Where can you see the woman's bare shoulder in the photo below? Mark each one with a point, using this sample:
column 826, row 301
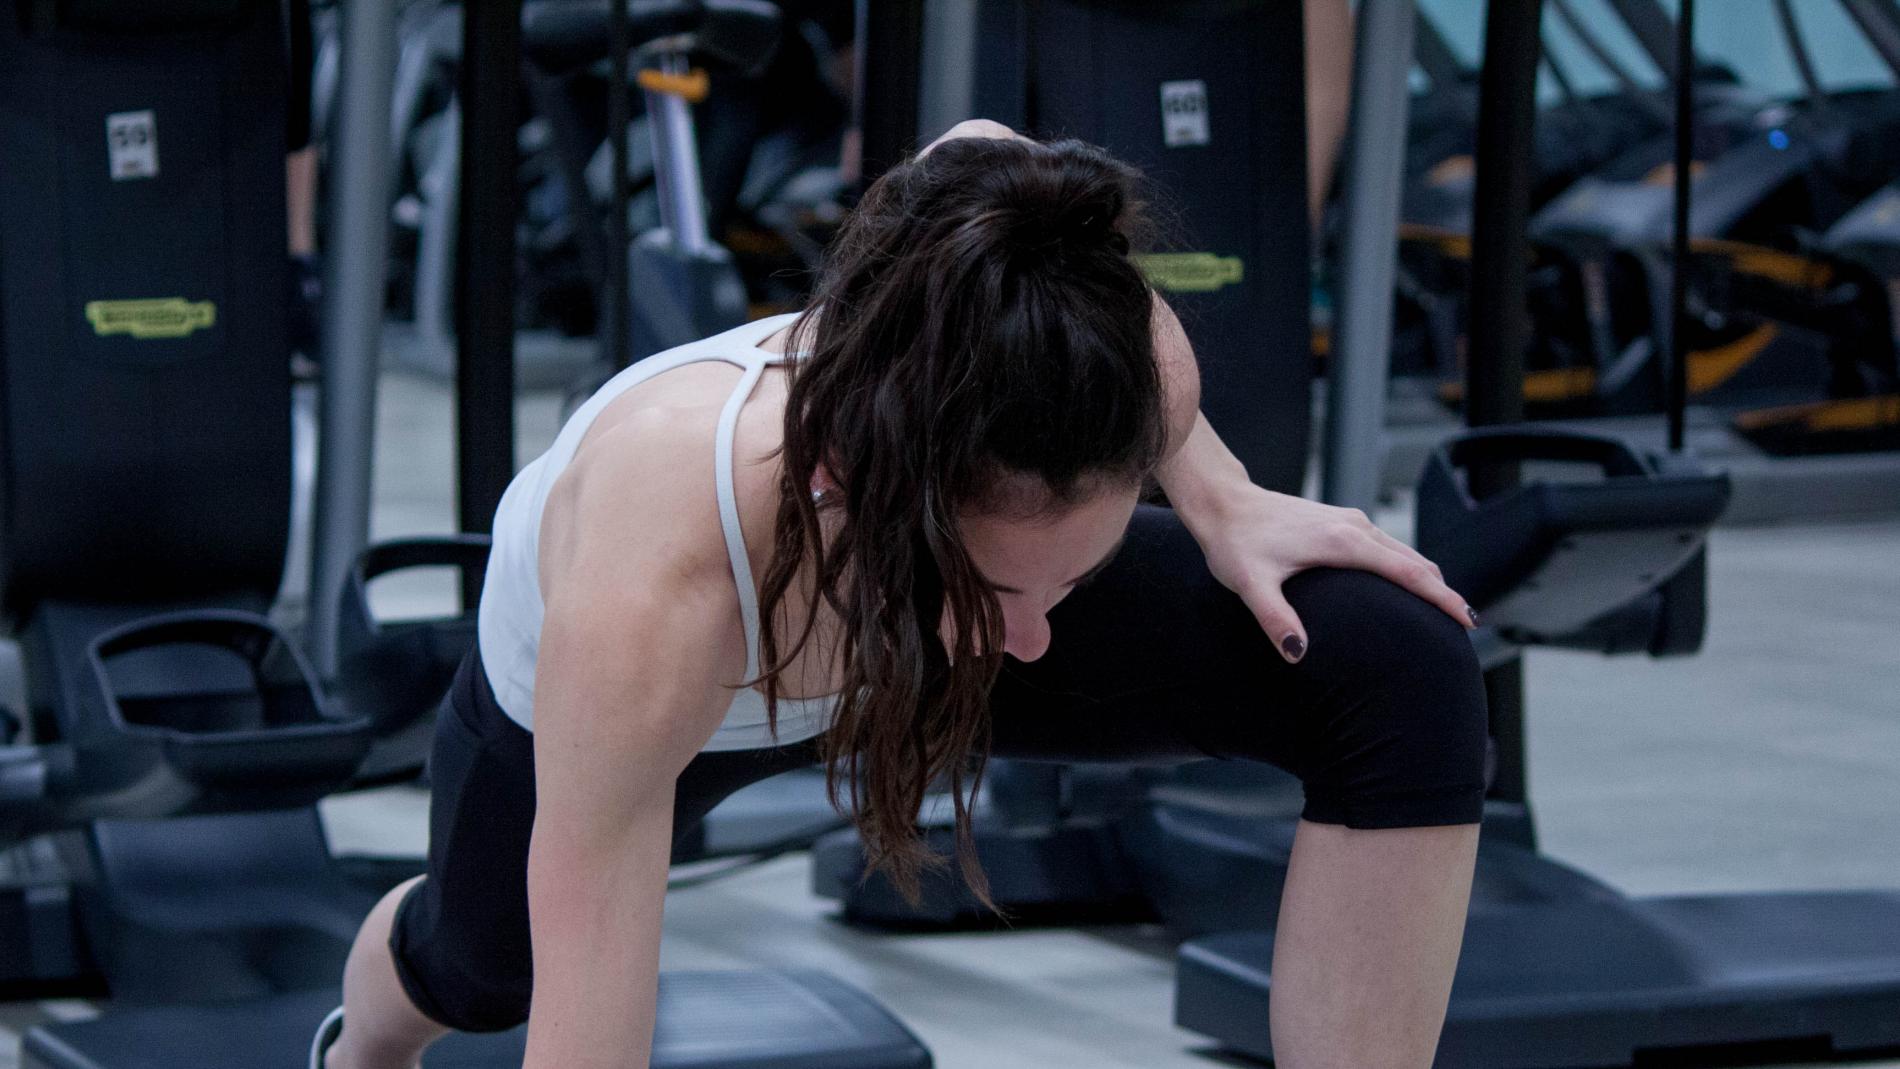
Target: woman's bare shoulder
column 637, row 502
column 643, row 483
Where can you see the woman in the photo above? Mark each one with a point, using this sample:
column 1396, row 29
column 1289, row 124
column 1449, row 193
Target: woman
column 939, row 500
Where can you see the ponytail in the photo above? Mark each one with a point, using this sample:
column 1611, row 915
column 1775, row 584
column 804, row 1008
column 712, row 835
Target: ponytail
column 978, row 327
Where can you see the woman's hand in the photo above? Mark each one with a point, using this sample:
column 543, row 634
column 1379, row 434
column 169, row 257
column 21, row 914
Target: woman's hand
column 1259, row 539
column 1254, row 539
column 974, row 128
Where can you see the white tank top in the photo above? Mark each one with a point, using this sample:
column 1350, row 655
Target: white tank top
column 508, row 622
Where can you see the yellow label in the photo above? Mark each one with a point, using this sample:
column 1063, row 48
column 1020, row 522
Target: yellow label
column 151, row 317
column 691, row 86
column 1190, row 272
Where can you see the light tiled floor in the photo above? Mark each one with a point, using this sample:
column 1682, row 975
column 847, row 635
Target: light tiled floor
column 1771, row 761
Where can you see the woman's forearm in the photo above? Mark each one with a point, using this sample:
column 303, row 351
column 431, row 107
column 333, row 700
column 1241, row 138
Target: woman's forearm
column 596, row 913
column 1202, row 475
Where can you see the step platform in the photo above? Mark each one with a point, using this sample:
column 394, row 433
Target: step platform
column 795, row 1019
column 1592, row 983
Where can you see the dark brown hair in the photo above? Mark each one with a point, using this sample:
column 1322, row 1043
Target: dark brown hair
column 977, row 324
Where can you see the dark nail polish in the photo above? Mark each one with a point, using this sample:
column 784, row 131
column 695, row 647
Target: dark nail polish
column 1294, row 646
column 1473, row 614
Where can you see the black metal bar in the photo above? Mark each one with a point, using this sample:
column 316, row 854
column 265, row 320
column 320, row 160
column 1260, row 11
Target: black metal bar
column 1499, row 327
column 1434, row 56
column 1593, row 44
column 1633, row 91
column 1504, row 695
column 1879, row 22
column 1562, row 77
column 1507, row 111
column 892, row 46
column 1650, row 25
column 616, row 301
column 485, row 266
column 553, row 101
column 1797, row 46
column 1679, row 239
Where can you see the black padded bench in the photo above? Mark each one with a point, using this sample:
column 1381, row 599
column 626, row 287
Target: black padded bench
column 707, row 1020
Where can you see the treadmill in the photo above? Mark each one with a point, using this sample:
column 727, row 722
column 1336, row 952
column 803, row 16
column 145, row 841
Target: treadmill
column 1579, row 133
column 1849, row 291
column 1768, row 175
column 1564, row 971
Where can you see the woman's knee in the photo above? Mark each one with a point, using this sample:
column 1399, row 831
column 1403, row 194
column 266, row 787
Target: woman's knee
column 462, row 982
column 1398, row 735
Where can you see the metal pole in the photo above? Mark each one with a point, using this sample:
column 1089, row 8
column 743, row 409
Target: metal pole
column 676, row 164
column 352, row 310
column 1797, row 46
column 890, row 47
column 1435, row 57
column 1361, row 356
column 1494, row 374
column 616, row 302
column 1679, row 239
column 1879, row 22
column 485, row 267
column 1507, row 113
column 415, row 53
column 946, row 91
column 1561, row 76
column 1587, row 37
column 1650, row 25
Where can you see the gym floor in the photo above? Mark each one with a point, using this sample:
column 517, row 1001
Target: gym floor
column 1770, row 762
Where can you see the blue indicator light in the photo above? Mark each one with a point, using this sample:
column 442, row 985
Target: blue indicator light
column 1779, row 139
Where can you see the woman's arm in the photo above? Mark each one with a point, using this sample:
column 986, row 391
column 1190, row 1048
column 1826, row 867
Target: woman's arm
column 641, row 630
column 1180, row 390
column 1255, row 539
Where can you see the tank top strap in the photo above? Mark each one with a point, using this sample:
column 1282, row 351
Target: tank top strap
column 729, row 512
column 755, row 361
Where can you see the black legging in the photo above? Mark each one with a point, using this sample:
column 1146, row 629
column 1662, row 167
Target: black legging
column 1153, row 662
column 1157, row 662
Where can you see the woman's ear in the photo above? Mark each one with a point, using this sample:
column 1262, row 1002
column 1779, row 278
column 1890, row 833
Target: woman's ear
column 822, row 483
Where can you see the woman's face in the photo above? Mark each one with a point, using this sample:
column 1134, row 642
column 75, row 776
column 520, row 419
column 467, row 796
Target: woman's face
column 1033, row 563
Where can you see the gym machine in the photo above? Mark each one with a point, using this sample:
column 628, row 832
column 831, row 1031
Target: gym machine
column 1118, row 843
column 1198, row 91
column 674, row 283
column 1847, row 289
column 1560, row 970
column 1576, row 136
column 163, row 845
column 1769, row 176
column 1858, row 261
column 1601, row 550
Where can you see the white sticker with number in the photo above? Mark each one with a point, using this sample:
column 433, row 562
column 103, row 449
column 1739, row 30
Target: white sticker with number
column 132, row 141
column 1184, row 113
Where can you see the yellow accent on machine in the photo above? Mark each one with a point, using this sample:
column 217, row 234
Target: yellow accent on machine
column 149, row 318
column 1190, row 272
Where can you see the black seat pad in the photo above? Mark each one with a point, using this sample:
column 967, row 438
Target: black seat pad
column 560, row 35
